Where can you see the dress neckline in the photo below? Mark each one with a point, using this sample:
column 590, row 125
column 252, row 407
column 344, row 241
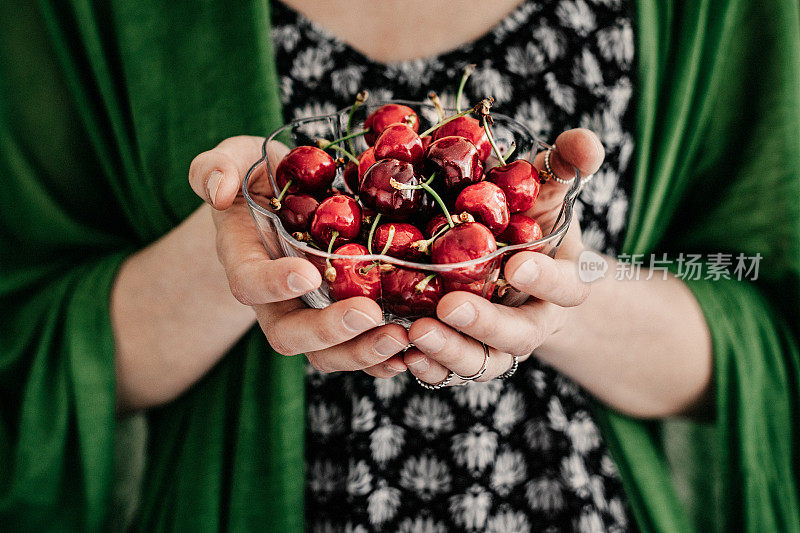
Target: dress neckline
column 518, row 16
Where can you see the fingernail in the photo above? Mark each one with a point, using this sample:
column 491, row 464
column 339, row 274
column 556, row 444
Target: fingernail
column 298, row 283
column 461, row 316
column 420, row 365
column 526, row 273
column 212, row 185
column 387, row 345
column 431, row 342
column 390, row 368
column 355, row 320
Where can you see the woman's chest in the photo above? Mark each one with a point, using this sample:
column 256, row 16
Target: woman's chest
column 391, row 30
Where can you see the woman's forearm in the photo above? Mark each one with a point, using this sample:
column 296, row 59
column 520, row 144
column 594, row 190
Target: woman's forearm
column 173, row 314
column 640, row 346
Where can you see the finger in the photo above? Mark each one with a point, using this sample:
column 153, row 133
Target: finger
column 515, row 330
column 575, row 148
column 254, row 277
column 374, row 350
column 427, row 369
column 548, row 279
column 579, row 148
column 461, row 354
column 389, row 368
column 216, row 175
column 293, row 329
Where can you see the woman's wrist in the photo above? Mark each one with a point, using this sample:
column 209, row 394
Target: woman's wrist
column 641, row 346
column 173, row 314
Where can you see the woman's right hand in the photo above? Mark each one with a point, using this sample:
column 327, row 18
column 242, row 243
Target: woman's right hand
column 346, row 335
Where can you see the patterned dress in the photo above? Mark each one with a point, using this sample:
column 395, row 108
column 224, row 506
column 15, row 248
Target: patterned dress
column 518, row 455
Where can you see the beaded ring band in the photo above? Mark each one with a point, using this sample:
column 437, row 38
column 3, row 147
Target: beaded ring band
column 511, row 371
column 549, row 169
column 436, row 386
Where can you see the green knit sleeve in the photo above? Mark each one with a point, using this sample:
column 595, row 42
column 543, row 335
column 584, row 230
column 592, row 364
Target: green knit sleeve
column 719, row 172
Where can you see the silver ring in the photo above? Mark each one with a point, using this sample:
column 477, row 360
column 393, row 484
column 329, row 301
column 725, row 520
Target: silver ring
column 587, row 179
column 511, row 371
column 436, row 386
column 480, row 372
column 550, row 170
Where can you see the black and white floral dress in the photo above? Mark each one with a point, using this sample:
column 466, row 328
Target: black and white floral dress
column 503, row 456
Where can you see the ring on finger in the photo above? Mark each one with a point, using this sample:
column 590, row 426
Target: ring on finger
column 549, row 169
column 511, row 371
column 436, row 386
column 483, row 368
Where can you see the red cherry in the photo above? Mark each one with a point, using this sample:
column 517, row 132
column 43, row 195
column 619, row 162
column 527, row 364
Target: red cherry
column 402, row 234
column 520, row 181
column 309, row 168
column 521, row 229
column 376, row 191
column 298, row 211
column 350, row 175
column 336, row 213
column 467, row 241
column 487, row 203
column 481, row 288
column 411, row 293
column 386, row 115
column 470, row 129
column 365, row 160
column 455, row 160
column 434, row 225
column 426, row 142
column 353, row 277
column 401, row 142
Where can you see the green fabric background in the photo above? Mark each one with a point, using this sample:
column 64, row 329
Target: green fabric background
column 103, row 104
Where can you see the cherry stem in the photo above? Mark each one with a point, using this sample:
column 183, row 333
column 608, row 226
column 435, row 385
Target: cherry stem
column 361, row 97
column 424, row 245
column 426, row 186
column 501, row 244
column 420, row 287
column 438, row 199
column 330, row 272
column 491, row 140
column 365, row 270
column 322, row 143
column 389, row 240
column 437, row 104
column 443, row 122
column 468, row 70
column 372, row 232
column 334, row 236
column 276, row 202
column 511, row 150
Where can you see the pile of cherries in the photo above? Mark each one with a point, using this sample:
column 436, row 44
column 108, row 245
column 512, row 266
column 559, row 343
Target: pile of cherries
column 427, row 197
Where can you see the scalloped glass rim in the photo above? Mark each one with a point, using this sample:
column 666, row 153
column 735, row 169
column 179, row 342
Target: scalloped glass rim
column 557, row 233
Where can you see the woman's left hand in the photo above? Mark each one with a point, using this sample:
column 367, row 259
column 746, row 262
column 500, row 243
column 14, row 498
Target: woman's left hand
column 465, row 320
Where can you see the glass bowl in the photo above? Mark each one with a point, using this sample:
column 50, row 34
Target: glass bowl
column 480, row 275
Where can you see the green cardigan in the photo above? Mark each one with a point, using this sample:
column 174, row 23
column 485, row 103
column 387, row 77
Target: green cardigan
column 103, row 104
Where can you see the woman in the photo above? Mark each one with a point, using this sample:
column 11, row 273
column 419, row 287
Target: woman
column 96, row 142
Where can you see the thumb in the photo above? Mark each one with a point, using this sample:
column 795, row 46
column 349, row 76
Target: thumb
column 545, row 278
column 216, row 175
